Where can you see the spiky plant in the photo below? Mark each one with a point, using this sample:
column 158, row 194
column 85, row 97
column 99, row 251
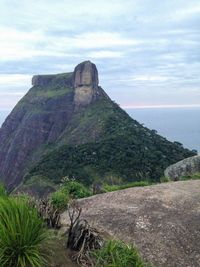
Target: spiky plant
column 22, row 234
column 3, row 192
column 117, row 254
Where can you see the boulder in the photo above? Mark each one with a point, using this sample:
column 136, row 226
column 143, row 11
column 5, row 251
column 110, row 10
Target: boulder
column 184, row 167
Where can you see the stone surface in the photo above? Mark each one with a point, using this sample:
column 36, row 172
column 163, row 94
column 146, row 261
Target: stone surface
column 161, row 220
column 85, row 83
column 86, row 74
column 184, row 167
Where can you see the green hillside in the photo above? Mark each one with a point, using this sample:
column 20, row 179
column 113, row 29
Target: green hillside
column 125, row 150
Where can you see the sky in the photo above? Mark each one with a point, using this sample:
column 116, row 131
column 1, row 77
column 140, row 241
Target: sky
column 147, row 52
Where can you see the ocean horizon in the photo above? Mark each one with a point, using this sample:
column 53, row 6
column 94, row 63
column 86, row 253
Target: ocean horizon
column 176, row 124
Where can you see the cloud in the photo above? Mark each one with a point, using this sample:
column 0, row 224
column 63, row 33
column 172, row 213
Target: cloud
column 20, row 94
column 146, row 53
column 15, row 44
column 14, row 79
column 105, row 54
column 147, row 78
column 186, row 12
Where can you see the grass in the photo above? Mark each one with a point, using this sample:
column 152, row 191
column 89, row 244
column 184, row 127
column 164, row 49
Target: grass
column 23, row 236
column 117, row 254
column 195, row 176
column 110, row 188
column 3, row 192
column 164, row 179
column 54, row 93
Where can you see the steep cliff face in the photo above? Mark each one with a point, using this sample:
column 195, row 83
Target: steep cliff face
column 42, row 116
column 88, row 135
column 86, row 83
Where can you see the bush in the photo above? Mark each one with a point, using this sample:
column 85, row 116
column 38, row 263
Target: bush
column 75, row 189
column 69, row 189
column 60, row 199
column 22, row 234
column 164, row 179
column 117, row 254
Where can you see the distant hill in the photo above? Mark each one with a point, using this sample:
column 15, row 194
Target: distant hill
column 66, row 125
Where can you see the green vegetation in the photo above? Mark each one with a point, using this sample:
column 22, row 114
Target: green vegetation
column 70, row 189
column 117, row 254
column 75, row 189
column 110, row 188
column 195, row 176
column 115, row 144
column 23, row 236
column 54, row 92
column 60, row 199
column 3, row 192
column 56, row 89
column 164, row 179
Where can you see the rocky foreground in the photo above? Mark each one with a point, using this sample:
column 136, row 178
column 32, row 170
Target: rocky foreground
column 162, row 220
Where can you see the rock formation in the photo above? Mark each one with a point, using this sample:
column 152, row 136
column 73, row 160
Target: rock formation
column 161, row 220
column 185, row 167
column 42, row 115
column 72, row 109
column 86, row 84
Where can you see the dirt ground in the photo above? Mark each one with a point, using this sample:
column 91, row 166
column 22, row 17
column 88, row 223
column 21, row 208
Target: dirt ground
column 162, row 220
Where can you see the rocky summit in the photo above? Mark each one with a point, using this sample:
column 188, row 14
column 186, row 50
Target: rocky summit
column 66, row 125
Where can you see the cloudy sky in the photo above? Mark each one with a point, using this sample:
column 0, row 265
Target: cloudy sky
column 147, row 51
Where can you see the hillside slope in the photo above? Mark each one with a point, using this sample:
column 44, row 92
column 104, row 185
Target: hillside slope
column 66, row 125
column 161, row 220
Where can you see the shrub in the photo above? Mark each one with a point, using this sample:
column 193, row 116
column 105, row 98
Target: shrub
column 75, row 189
column 164, row 179
column 60, row 199
column 22, row 234
column 69, row 189
column 117, row 254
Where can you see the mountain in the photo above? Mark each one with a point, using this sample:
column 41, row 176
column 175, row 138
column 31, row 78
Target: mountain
column 66, row 125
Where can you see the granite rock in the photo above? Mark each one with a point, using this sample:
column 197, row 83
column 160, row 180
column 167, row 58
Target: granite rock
column 185, row 167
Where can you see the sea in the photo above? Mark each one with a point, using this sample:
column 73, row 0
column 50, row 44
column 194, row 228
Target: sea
column 176, row 124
